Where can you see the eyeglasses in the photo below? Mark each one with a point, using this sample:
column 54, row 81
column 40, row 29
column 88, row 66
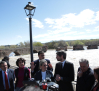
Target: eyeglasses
column 45, row 65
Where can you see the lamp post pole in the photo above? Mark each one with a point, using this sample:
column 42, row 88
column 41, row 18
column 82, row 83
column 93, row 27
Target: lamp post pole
column 31, row 45
column 30, row 7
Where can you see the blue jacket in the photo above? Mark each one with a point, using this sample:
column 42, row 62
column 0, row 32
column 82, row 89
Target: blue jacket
column 11, row 80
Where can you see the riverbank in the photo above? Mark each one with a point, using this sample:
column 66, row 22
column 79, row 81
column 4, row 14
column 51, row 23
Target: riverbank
column 72, row 56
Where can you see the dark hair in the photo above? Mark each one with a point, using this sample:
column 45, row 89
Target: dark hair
column 40, row 52
column 62, row 52
column 20, row 59
column 6, row 57
column 2, row 62
column 96, row 70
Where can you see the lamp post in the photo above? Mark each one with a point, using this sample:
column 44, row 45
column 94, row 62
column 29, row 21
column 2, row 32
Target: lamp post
column 29, row 7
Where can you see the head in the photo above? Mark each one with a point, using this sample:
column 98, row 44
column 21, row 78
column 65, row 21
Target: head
column 6, row 58
column 84, row 64
column 61, row 55
column 32, row 88
column 43, row 65
column 20, row 62
column 41, row 55
column 3, row 65
column 96, row 73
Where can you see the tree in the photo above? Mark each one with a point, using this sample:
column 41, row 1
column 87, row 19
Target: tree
column 37, row 44
column 21, row 44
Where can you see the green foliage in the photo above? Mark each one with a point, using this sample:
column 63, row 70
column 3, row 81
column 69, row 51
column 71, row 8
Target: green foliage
column 67, row 44
column 37, row 44
column 77, row 42
column 21, row 44
column 2, row 47
column 13, row 46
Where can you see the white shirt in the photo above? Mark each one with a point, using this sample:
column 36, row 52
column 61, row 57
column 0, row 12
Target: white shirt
column 3, row 75
column 44, row 75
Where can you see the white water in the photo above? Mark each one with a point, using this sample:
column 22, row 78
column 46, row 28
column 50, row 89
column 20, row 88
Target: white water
column 72, row 56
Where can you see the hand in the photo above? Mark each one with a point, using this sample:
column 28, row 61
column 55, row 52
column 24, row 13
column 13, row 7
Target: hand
column 80, row 73
column 58, row 78
column 32, row 66
column 50, row 65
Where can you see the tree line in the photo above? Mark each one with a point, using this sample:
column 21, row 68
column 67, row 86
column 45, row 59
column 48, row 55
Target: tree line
column 55, row 44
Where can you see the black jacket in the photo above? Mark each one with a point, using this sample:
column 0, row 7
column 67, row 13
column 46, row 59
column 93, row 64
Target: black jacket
column 26, row 74
column 38, row 75
column 67, row 73
column 86, row 81
column 36, row 69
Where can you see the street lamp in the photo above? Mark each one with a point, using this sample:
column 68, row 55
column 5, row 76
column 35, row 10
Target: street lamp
column 29, row 7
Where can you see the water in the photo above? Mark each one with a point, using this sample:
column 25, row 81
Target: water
column 72, row 56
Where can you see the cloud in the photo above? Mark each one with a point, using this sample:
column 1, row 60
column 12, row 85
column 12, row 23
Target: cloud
column 37, row 23
column 96, row 28
column 85, row 17
column 71, row 26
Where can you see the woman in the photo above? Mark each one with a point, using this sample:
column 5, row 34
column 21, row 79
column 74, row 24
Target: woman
column 96, row 75
column 43, row 74
column 21, row 73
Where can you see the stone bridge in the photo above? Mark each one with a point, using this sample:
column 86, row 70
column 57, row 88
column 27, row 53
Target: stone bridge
column 21, row 51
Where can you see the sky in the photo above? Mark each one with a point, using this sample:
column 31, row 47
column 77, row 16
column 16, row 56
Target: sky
column 53, row 20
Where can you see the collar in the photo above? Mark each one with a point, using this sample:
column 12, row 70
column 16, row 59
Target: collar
column 4, row 71
column 63, row 63
column 21, row 67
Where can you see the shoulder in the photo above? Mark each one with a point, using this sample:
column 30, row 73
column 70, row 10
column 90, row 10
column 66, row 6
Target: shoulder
column 36, row 61
column 47, row 60
column 69, row 63
column 48, row 71
column 38, row 72
column 58, row 63
column 10, row 70
column 91, row 71
column 16, row 69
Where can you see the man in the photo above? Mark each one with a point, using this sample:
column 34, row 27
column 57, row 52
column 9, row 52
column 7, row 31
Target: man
column 64, row 72
column 85, row 76
column 6, row 78
column 6, row 59
column 35, row 64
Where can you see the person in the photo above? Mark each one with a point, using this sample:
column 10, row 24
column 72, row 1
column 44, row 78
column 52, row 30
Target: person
column 6, row 77
column 64, row 72
column 95, row 87
column 6, row 59
column 43, row 74
column 22, row 73
column 35, row 64
column 85, row 76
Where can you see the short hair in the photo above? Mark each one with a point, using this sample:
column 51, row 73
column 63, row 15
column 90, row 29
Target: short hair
column 2, row 62
column 20, row 59
column 84, row 60
column 42, row 62
column 96, row 70
column 40, row 52
column 6, row 58
column 62, row 52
